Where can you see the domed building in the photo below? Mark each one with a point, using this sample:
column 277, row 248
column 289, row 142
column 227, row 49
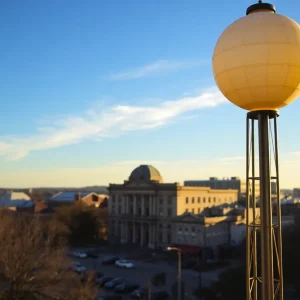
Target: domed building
column 145, row 173
column 144, row 210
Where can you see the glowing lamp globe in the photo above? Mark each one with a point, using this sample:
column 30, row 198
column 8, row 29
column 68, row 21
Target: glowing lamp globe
column 256, row 61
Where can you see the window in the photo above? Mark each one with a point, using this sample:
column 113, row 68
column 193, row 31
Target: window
column 186, row 229
column 169, row 212
column 193, row 210
column 193, row 229
column 214, row 199
column 198, row 210
column 198, row 199
column 169, row 200
column 204, row 200
column 208, row 199
column 160, row 201
column 187, row 210
column 193, row 200
column 113, row 198
column 187, row 200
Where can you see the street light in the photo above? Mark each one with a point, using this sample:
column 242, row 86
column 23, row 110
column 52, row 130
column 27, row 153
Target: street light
column 179, row 270
column 256, row 66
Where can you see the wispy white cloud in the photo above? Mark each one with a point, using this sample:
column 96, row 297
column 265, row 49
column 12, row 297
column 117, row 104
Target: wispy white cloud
column 105, row 123
column 156, row 68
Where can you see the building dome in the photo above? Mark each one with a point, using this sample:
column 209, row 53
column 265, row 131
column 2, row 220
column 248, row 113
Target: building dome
column 256, row 61
column 145, row 173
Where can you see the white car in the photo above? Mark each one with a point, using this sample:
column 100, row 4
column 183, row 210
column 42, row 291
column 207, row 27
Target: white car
column 80, row 254
column 80, row 268
column 124, row 264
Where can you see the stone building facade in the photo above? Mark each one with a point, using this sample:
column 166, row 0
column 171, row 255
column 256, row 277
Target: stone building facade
column 143, row 209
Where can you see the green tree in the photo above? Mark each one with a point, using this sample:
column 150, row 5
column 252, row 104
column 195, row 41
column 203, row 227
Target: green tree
column 81, row 221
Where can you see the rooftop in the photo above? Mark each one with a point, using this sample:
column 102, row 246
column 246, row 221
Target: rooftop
column 69, row 196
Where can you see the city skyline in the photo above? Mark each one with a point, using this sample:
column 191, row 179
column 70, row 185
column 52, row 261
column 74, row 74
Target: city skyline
column 89, row 95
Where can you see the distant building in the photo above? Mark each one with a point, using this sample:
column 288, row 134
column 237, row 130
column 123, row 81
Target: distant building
column 17, row 201
column 142, row 209
column 67, row 198
column 296, row 194
column 234, row 183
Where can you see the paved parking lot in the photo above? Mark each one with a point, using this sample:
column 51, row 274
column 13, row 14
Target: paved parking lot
column 144, row 271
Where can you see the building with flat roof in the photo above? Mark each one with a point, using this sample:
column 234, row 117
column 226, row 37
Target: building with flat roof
column 234, row 183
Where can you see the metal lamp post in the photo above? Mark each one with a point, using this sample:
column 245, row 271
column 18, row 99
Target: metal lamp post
column 179, row 270
column 256, row 65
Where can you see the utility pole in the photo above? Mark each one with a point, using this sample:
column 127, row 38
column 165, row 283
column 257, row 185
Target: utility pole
column 179, row 270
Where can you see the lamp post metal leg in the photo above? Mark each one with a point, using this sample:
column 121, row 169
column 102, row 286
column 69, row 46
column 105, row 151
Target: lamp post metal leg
column 265, row 208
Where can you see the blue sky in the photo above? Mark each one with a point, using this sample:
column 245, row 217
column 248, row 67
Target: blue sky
column 91, row 89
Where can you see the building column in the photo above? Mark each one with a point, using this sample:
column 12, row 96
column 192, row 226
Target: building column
column 142, row 234
column 134, row 205
column 143, row 204
column 150, row 205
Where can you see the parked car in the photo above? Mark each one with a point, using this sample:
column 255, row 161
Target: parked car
column 126, row 287
column 80, row 268
column 92, row 254
column 110, row 260
column 161, row 295
column 79, row 254
column 103, row 280
column 111, row 284
column 140, row 293
column 110, row 297
column 124, row 264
